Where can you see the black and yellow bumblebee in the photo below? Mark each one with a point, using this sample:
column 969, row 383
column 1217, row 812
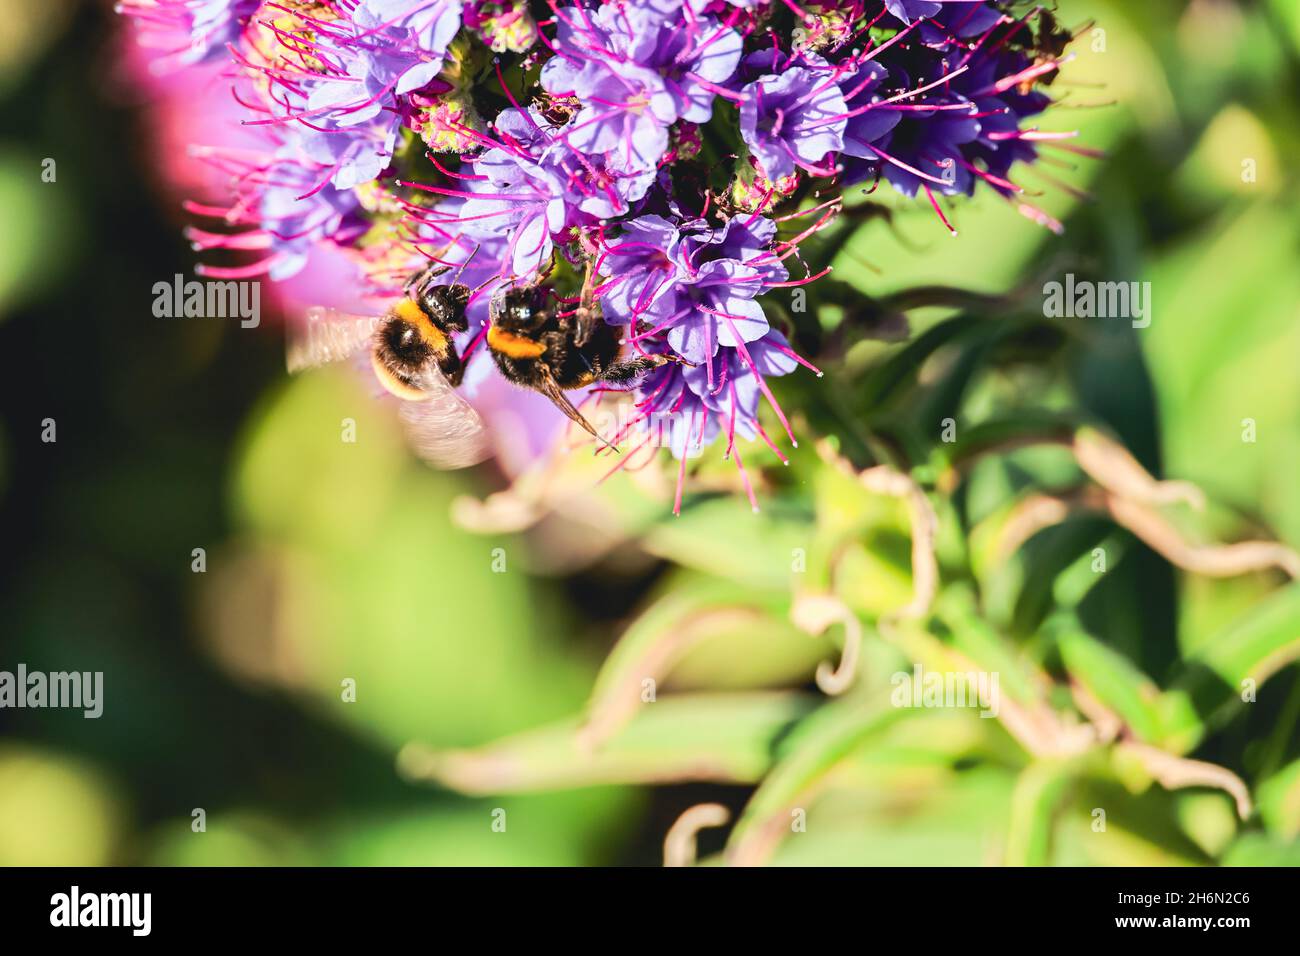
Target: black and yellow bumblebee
column 1049, row 46
column 414, row 358
column 534, row 343
column 417, row 331
column 538, row 346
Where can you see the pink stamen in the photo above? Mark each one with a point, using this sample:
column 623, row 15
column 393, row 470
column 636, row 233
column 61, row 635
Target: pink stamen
column 261, row 267
column 935, row 203
column 762, row 383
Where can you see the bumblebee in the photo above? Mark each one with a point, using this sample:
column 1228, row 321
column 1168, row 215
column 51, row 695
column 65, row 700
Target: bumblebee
column 1050, row 46
column 533, row 342
column 537, row 346
column 413, row 355
column 416, row 331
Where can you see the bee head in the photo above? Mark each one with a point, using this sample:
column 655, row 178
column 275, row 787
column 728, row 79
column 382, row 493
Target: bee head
column 445, row 305
column 520, row 309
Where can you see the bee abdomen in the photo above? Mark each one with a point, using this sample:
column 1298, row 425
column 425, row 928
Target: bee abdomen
column 512, row 345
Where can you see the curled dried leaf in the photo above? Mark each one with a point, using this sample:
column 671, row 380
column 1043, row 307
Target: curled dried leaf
column 680, row 843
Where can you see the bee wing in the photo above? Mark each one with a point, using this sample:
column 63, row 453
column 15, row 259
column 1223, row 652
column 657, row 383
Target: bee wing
column 444, row 429
column 325, row 335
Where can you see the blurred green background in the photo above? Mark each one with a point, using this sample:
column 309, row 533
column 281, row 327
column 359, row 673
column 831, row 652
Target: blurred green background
column 328, row 562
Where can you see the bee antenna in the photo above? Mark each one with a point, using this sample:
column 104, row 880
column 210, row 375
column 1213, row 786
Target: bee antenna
column 482, row 284
column 465, row 265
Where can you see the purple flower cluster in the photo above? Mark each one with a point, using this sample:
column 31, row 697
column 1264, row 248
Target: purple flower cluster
column 678, row 150
column 189, row 32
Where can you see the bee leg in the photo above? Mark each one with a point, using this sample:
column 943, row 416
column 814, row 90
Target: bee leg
column 584, row 324
column 557, row 348
column 457, row 372
column 592, row 369
column 630, row 372
column 451, row 365
column 422, row 278
column 586, row 315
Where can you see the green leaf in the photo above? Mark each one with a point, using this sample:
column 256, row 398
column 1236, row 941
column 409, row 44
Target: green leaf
column 816, row 747
column 726, row 738
column 701, row 633
column 1279, row 802
column 1034, row 805
column 1251, row 649
column 977, row 640
column 721, row 537
column 901, row 367
column 1255, row 849
column 1114, row 681
column 1260, row 644
column 949, row 821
